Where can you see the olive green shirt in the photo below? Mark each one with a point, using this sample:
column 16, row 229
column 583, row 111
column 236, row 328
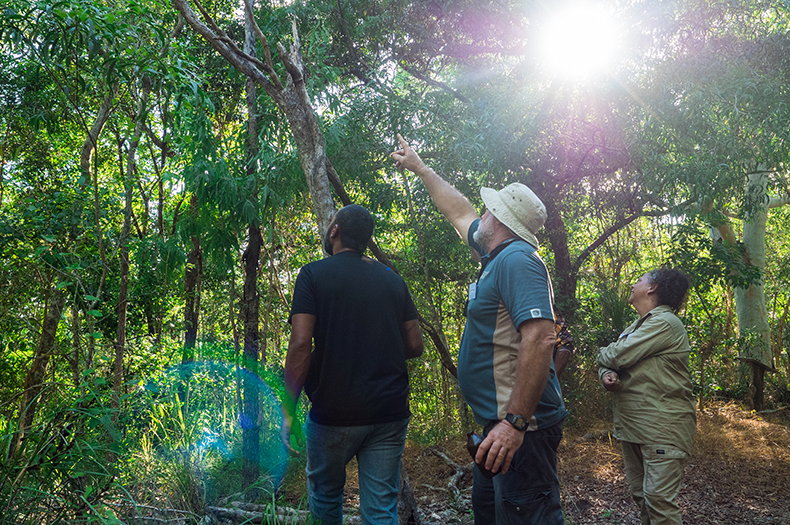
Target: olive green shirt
column 656, row 404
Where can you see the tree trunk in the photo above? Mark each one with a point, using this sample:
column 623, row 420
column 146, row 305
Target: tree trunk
column 408, row 513
column 251, row 259
column 34, row 382
column 750, row 306
column 193, row 279
column 76, row 349
column 131, row 163
column 250, row 355
column 750, row 302
column 565, row 273
column 292, row 99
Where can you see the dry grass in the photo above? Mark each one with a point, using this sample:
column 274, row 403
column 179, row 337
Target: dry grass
column 739, row 473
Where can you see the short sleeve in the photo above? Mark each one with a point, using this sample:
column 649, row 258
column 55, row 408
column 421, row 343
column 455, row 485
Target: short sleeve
column 304, row 301
column 410, row 311
column 525, row 287
column 471, row 237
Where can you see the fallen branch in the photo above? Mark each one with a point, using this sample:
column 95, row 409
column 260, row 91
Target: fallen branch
column 255, row 514
column 460, row 470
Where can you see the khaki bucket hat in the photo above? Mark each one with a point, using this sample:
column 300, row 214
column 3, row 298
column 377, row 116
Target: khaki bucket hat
column 517, row 207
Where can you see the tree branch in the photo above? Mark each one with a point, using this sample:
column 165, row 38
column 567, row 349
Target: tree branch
column 611, row 230
column 778, row 202
column 434, row 83
column 441, row 349
column 250, row 66
column 268, row 67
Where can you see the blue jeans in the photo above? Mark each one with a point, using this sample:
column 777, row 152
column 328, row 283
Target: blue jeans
column 378, row 449
column 529, row 493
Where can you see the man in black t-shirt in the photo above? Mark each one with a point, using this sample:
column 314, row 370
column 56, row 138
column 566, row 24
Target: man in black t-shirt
column 360, row 317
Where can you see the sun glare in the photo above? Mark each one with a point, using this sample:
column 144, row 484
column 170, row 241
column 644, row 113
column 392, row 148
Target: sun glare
column 579, row 41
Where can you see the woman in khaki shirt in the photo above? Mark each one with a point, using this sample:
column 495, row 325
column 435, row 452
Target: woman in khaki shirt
column 647, row 369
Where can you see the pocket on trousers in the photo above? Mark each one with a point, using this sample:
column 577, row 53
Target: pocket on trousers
column 532, row 505
column 662, row 452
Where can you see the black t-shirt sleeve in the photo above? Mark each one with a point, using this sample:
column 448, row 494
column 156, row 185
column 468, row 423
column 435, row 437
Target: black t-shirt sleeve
column 410, row 310
column 304, row 300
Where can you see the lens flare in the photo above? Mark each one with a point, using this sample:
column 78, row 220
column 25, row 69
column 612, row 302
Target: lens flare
column 579, row 41
column 193, row 412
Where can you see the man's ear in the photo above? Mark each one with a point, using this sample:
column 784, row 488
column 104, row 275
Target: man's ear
column 334, row 231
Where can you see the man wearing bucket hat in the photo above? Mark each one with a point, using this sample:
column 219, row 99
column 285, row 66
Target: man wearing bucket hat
column 505, row 367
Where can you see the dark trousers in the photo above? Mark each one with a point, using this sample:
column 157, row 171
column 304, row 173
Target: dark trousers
column 529, row 493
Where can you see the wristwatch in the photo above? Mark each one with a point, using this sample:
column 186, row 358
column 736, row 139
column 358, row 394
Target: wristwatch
column 518, row 422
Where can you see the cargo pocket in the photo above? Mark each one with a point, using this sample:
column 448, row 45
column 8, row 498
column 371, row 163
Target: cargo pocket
column 529, row 508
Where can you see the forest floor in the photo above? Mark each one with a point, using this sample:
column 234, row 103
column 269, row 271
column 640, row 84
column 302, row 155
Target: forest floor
column 739, row 473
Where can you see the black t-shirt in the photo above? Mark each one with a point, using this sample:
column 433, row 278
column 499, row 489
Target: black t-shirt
column 357, row 371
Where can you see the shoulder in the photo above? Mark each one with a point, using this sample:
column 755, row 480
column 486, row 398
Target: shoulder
column 522, row 254
column 663, row 319
column 315, row 266
column 663, row 315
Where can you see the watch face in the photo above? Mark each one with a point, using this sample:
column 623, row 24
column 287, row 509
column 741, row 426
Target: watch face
column 518, row 422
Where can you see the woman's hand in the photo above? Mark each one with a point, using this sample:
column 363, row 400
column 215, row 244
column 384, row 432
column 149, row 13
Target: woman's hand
column 611, row 382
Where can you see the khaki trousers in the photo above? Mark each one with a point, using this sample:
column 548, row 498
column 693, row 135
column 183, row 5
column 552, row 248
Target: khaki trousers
column 655, row 473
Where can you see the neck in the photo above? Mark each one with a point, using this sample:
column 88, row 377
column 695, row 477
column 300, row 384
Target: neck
column 498, row 238
column 645, row 307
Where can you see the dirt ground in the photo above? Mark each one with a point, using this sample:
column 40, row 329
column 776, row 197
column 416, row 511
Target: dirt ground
column 739, row 473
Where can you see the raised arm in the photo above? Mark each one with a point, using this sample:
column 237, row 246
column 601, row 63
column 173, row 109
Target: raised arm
column 453, row 205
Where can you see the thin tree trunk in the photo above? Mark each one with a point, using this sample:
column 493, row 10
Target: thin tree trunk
column 131, row 160
column 34, row 382
column 250, row 361
column 250, row 470
column 779, row 339
column 76, row 348
column 566, row 274
column 193, row 279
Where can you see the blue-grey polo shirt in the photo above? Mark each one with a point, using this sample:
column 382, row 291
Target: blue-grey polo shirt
column 515, row 287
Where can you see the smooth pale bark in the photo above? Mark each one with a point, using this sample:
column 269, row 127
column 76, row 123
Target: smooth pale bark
column 750, row 303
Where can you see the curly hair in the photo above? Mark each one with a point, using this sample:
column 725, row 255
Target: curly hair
column 671, row 286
